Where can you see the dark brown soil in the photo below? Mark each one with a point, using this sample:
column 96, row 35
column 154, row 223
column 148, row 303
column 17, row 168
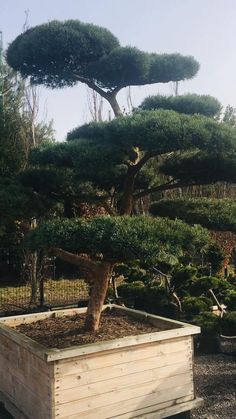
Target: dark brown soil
column 63, row 332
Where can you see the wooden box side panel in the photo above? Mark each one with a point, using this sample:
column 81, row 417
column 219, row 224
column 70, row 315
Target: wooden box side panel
column 26, row 380
column 126, row 381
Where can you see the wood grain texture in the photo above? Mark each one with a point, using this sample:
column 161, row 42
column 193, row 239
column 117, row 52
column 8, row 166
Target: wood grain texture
column 135, row 377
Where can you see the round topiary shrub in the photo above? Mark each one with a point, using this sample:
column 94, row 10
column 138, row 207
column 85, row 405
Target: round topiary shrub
column 133, row 289
column 230, row 300
column 195, row 305
column 132, row 272
column 182, row 279
column 208, row 341
column 209, row 323
column 203, row 284
column 228, row 324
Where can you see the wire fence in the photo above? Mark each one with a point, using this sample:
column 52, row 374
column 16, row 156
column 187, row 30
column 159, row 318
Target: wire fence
column 17, row 298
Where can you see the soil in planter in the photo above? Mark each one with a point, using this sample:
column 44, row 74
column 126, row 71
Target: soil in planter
column 66, row 331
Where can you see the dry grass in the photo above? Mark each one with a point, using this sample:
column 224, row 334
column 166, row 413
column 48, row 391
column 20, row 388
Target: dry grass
column 56, row 292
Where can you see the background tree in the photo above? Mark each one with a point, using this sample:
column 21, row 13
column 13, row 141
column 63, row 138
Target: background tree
column 70, row 52
column 19, row 132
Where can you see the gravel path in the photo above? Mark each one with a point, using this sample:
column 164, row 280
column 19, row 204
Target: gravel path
column 215, row 381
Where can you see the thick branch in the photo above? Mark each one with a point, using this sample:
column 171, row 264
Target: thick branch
column 92, row 86
column 110, row 96
column 143, row 161
column 128, row 198
column 165, row 187
column 87, row 265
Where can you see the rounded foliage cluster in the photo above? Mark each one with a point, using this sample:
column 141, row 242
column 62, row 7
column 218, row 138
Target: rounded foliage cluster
column 121, row 238
column 59, row 54
column 188, row 104
column 215, row 214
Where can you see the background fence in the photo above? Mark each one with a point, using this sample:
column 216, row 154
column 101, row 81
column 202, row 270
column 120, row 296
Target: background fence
column 17, row 298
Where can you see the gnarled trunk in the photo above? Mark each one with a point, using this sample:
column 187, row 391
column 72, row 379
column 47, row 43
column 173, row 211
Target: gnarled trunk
column 97, row 298
column 98, row 272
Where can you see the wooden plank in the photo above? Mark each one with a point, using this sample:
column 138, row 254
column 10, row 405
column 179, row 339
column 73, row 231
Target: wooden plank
column 184, row 404
column 105, row 413
column 169, row 411
column 25, row 398
column 15, row 355
column 147, row 316
column 92, row 411
column 126, row 342
column 13, row 321
column 11, row 408
column 108, row 373
column 123, row 357
column 91, row 362
column 139, row 390
column 127, row 382
column 23, row 340
column 156, row 409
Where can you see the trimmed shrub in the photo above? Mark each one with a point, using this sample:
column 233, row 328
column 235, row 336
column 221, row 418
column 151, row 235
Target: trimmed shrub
column 182, row 279
column 228, row 324
column 195, row 305
column 202, row 285
column 230, row 300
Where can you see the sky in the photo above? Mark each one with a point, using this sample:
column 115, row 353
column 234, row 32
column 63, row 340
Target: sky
column 205, row 29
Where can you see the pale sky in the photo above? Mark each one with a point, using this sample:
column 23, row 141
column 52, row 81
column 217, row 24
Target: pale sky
column 205, row 29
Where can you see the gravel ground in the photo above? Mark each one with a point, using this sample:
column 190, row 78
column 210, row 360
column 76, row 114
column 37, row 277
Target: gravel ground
column 215, row 381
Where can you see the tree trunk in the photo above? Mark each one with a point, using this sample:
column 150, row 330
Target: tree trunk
column 98, row 295
column 127, row 198
column 114, row 104
column 100, row 273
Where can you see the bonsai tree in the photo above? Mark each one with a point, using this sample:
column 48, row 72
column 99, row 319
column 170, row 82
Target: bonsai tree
column 116, row 163
column 59, row 54
column 98, row 244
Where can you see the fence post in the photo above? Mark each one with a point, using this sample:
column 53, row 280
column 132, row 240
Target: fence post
column 41, row 293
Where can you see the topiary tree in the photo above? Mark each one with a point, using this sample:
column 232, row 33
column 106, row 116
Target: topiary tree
column 59, row 54
column 98, row 244
column 119, row 162
column 214, row 214
column 114, row 164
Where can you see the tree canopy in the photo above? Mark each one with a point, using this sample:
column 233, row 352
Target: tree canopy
column 214, row 214
column 59, row 54
column 189, row 104
column 116, row 163
column 116, row 159
column 115, row 239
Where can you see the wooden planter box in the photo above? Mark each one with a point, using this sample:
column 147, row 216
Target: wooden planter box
column 146, row 376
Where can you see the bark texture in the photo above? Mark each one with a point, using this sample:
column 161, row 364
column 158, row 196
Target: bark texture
column 99, row 273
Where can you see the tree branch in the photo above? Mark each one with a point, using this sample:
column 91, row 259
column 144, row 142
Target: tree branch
column 87, row 265
column 165, row 187
column 92, row 85
column 143, row 161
